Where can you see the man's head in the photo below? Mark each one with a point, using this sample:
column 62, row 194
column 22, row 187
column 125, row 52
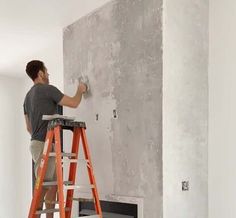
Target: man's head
column 37, row 71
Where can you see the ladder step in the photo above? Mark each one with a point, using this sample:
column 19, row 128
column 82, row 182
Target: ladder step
column 53, row 183
column 57, row 116
column 53, row 154
column 51, row 202
column 68, row 187
column 38, row 212
column 73, row 160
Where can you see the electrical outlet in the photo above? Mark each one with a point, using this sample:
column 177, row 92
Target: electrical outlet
column 115, row 116
column 185, row 186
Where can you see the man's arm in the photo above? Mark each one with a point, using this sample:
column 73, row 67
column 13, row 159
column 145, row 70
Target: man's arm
column 28, row 125
column 73, row 102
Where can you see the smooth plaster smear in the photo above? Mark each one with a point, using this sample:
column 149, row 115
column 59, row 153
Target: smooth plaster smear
column 185, row 108
column 119, row 47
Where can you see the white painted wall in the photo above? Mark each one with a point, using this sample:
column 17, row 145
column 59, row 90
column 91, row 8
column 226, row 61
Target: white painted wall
column 222, row 109
column 16, row 157
column 52, row 56
column 9, row 133
column 23, row 157
column 25, row 31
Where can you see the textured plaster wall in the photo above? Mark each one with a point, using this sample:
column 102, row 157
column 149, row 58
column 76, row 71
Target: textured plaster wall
column 119, row 47
column 185, row 108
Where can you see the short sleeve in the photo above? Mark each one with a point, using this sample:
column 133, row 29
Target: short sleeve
column 24, row 108
column 55, row 94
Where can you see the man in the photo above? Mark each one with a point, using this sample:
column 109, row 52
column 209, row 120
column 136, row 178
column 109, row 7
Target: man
column 42, row 99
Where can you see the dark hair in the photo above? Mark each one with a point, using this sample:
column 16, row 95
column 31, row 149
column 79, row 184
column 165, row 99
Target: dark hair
column 33, row 67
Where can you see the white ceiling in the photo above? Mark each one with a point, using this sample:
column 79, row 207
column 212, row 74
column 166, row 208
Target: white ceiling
column 29, row 27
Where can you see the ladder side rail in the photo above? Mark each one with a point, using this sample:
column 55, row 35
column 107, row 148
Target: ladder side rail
column 41, row 174
column 90, row 172
column 72, row 169
column 57, row 130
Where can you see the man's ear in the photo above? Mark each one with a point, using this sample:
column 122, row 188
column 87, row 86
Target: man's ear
column 40, row 73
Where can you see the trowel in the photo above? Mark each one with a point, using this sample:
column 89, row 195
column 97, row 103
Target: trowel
column 85, row 80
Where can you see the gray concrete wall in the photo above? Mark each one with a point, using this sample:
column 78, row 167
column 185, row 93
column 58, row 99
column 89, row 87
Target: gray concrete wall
column 185, row 108
column 119, row 47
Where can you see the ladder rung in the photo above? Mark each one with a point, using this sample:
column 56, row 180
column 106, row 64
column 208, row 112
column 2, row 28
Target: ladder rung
column 53, row 183
column 50, row 211
column 68, row 187
column 53, row 154
column 51, row 202
column 74, row 160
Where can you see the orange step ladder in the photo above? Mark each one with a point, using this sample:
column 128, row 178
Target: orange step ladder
column 55, row 125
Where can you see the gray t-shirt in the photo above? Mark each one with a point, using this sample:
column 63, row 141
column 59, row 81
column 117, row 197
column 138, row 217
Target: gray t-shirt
column 42, row 99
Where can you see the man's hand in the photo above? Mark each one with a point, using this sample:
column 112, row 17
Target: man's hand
column 82, row 87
